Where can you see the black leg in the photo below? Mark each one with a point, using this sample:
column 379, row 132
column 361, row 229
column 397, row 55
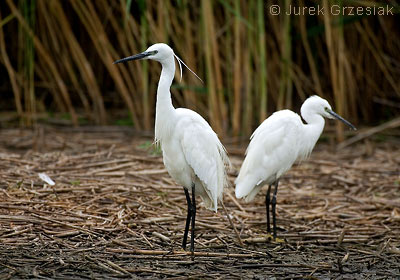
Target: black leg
column 273, row 202
column 267, row 202
column 189, row 215
column 193, row 218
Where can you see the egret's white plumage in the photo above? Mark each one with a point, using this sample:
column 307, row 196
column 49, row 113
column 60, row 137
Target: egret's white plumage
column 194, row 155
column 192, row 152
column 271, row 152
column 278, row 142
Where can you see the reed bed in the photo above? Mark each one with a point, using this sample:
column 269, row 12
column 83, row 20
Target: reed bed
column 252, row 62
column 115, row 213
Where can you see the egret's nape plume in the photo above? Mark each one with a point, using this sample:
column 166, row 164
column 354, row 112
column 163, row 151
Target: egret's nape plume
column 180, row 61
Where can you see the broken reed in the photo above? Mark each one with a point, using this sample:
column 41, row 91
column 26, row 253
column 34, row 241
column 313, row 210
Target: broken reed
column 253, row 63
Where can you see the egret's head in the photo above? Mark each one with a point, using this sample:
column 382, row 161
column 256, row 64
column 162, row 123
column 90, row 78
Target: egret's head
column 318, row 105
column 157, row 52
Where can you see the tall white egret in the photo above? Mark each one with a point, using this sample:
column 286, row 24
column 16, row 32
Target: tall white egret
column 276, row 144
column 192, row 153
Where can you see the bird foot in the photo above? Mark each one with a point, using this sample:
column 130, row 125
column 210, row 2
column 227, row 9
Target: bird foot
column 264, row 238
column 186, row 250
column 269, row 237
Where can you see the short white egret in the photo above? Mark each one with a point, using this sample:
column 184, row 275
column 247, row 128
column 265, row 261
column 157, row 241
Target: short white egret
column 192, row 153
column 276, row 144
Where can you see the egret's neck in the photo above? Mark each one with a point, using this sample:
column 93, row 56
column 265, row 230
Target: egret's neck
column 312, row 131
column 165, row 111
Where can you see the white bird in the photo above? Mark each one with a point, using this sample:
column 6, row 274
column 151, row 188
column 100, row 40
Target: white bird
column 192, row 153
column 276, row 144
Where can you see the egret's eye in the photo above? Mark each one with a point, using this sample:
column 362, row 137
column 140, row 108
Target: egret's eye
column 326, row 109
column 153, row 52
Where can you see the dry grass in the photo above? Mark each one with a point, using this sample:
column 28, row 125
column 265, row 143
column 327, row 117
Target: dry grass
column 253, row 63
column 115, row 212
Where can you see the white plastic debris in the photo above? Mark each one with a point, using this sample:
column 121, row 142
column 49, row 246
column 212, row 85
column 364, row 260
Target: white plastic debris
column 46, row 178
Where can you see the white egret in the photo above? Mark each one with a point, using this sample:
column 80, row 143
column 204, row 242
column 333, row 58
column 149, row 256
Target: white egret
column 276, row 144
column 192, row 153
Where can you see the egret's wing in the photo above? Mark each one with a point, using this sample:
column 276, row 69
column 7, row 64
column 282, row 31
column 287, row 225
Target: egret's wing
column 206, row 156
column 272, row 150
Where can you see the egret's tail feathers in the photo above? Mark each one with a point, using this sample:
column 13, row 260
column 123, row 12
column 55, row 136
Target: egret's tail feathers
column 210, row 199
column 252, row 194
column 209, row 203
column 247, row 190
column 223, row 166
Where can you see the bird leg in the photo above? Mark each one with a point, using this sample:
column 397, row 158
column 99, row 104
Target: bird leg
column 193, row 210
column 189, row 215
column 273, row 207
column 267, row 202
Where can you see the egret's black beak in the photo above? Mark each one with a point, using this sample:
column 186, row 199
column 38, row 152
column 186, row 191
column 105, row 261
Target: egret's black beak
column 341, row 119
column 135, row 57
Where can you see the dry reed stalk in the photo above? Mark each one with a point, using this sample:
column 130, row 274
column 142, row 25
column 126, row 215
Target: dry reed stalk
column 189, row 33
column 82, row 63
column 332, row 45
column 28, row 54
column 221, row 107
column 211, row 83
column 285, row 87
column 68, row 32
column 48, row 60
column 262, row 52
column 11, row 72
column 131, row 41
column 145, row 66
column 107, row 54
column 342, row 93
column 55, row 42
column 376, row 49
column 237, row 72
column 248, row 106
column 309, row 55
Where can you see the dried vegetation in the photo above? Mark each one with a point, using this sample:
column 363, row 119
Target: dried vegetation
column 115, row 212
